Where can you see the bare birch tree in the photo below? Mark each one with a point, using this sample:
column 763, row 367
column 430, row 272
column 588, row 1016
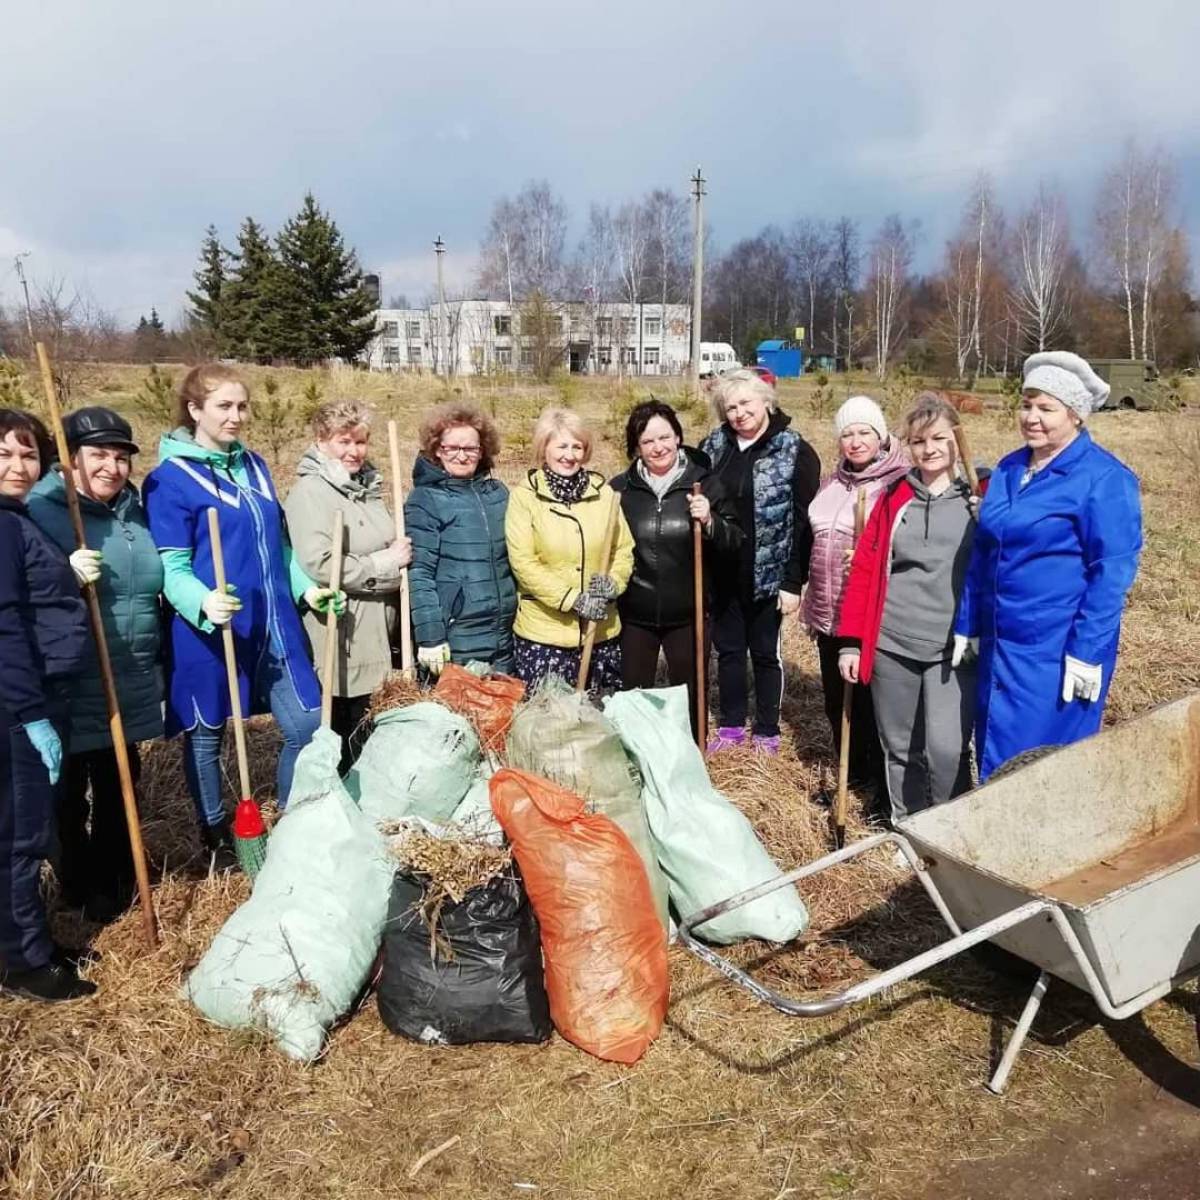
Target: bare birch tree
column 812, row 247
column 1040, row 297
column 891, row 257
column 501, row 251
column 847, row 259
column 522, row 251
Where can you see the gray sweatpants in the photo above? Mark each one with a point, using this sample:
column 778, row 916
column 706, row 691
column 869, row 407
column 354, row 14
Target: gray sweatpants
column 925, row 712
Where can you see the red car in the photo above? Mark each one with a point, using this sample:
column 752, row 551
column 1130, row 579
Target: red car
column 765, row 373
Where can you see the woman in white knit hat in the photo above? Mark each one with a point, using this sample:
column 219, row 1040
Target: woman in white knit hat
column 868, row 462
column 1055, row 555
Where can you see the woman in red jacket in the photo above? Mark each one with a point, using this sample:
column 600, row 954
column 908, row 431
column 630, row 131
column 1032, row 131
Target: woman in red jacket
column 895, row 630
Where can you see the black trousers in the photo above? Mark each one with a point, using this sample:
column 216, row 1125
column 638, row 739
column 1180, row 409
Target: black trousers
column 741, row 626
column 27, row 804
column 640, row 647
column 866, row 755
column 348, row 721
column 97, row 861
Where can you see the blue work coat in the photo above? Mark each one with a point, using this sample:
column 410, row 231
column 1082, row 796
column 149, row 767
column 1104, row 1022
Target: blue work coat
column 1049, row 572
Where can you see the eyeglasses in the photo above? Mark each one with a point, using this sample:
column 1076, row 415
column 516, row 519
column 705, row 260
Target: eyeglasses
column 467, row 452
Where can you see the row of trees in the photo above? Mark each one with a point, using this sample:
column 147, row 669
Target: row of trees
column 1003, row 287
column 299, row 297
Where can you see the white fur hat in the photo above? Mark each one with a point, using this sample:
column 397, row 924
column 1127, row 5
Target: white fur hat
column 1068, row 378
column 861, row 410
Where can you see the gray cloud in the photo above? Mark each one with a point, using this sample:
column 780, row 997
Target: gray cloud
column 129, row 128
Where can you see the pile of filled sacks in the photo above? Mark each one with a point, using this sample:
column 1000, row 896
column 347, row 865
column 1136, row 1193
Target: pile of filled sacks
column 608, row 822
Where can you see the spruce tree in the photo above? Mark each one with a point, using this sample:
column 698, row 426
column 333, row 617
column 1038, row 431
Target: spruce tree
column 322, row 308
column 250, row 322
column 211, row 277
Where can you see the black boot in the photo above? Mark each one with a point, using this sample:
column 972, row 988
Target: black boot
column 55, row 981
column 75, row 957
column 219, row 843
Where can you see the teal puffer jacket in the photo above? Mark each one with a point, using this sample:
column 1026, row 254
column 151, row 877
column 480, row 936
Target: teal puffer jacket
column 461, row 586
column 131, row 580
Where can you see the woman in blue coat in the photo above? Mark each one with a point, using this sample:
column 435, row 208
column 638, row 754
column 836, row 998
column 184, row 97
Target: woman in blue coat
column 1055, row 554
column 463, row 595
column 203, row 465
column 95, row 866
column 43, row 633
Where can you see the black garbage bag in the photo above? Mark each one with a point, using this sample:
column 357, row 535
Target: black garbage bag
column 483, row 981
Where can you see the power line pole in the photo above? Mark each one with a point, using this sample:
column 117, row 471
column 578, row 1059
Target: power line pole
column 698, row 182
column 439, row 248
column 25, row 287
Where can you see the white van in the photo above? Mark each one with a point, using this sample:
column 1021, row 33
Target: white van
column 717, row 358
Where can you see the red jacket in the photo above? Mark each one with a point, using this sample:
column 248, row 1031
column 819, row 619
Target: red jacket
column 861, row 612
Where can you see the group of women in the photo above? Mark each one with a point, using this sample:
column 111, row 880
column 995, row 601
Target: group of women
column 950, row 618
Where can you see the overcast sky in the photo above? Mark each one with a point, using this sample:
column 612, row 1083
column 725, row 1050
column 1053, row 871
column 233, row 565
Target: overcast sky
column 129, row 126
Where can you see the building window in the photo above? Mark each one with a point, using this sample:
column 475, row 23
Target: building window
column 650, row 356
column 414, row 354
column 390, row 329
column 503, row 354
column 604, row 330
column 629, row 355
column 527, row 356
column 391, row 354
column 604, row 356
column 556, row 326
column 628, row 327
column 652, row 326
column 576, row 329
column 503, row 326
column 414, row 329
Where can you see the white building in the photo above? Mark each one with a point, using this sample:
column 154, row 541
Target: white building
column 485, row 336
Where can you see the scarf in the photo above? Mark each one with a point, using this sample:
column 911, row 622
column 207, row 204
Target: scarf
column 661, row 484
column 566, row 489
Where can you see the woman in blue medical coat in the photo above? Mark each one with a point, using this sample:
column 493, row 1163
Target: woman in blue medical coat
column 1054, row 557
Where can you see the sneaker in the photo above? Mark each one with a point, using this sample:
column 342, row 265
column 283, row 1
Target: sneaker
column 727, row 737
column 766, row 745
column 55, row 981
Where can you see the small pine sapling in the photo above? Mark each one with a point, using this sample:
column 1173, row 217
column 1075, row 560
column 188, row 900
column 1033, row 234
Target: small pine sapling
column 156, row 397
column 276, row 417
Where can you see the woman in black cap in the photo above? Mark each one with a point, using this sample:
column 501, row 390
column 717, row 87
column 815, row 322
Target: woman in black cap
column 96, row 869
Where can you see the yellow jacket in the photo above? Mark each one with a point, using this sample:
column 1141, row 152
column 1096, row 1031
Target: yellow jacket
column 554, row 549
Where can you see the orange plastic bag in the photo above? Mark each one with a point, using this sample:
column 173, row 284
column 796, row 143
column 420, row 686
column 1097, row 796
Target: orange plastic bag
column 486, row 701
column 602, row 941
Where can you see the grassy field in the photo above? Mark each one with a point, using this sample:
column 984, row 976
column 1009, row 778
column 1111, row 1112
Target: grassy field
column 131, row 1095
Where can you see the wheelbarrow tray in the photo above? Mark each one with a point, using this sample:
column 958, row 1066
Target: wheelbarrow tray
column 1108, row 829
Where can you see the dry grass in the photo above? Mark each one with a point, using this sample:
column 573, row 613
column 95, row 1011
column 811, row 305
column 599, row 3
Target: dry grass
column 132, row 1095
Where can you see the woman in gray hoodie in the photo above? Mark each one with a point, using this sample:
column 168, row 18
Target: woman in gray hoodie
column 334, row 474
column 896, row 624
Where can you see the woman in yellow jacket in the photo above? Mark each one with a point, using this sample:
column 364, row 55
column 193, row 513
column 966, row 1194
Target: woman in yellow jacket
column 555, row 529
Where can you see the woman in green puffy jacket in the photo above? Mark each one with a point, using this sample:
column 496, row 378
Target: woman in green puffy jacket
column 96, row 868
column 463, row 595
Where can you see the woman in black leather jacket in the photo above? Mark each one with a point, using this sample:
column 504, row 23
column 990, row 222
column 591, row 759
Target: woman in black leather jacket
column 658, row 607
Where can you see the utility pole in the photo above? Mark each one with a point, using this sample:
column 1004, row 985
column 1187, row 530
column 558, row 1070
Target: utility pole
column 25, row 287
column 439, row 248
column 697, row 277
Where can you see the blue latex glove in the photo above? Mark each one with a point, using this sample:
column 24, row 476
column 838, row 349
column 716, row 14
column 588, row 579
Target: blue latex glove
column 46, row 742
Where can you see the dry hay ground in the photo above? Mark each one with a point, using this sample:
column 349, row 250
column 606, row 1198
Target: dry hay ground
column 132, row 1095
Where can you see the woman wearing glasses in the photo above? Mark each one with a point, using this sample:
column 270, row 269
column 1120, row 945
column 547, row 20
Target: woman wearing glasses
column 335, row 474
column 463, row 595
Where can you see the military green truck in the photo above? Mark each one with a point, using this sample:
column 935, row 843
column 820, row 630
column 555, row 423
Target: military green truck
column 1134, row 383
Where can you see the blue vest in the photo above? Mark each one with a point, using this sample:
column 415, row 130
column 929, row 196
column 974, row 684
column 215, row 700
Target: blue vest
column 178, row 494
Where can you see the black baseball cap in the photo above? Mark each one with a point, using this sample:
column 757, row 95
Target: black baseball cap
column 96, row 426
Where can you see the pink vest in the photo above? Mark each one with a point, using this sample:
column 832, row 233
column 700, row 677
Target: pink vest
column 831, row 515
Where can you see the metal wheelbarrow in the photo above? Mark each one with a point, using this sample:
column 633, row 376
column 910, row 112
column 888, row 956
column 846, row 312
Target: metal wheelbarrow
column 1085, row 863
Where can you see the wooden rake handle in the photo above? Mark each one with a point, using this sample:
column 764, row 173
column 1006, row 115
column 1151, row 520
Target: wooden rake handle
column 406, row 641
column 329, row 662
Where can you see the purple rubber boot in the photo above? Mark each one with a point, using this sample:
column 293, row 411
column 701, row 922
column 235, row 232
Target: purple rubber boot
column 727, row 737
column 766, row 745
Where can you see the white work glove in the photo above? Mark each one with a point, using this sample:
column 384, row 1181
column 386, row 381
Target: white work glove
column 322, row 599
column 964, row 648
column 219, row 607
column 434, row 658
column 788, row 603
column 394, row 558
column 848, row 661
column 1081, row 681
column 86, row 565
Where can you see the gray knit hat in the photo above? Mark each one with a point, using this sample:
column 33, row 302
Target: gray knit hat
column 1068, row 378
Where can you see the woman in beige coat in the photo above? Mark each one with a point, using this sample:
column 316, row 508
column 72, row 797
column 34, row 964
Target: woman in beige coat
column 334, row 474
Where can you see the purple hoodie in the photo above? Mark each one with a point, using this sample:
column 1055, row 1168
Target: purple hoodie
column 831, row 515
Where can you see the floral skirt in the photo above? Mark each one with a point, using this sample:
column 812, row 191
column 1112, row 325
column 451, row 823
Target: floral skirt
column 534, row 661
